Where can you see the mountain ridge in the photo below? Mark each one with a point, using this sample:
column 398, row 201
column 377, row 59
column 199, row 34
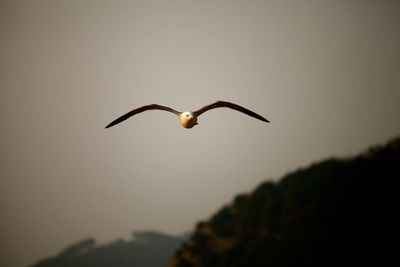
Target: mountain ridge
column 336, row 212
column 145, row 249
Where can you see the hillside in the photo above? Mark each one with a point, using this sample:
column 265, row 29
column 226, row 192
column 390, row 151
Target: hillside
column 338, row 212
column 146, row 249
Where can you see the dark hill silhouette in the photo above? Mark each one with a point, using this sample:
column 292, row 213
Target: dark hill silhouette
column 146, row 249
column 338, row 212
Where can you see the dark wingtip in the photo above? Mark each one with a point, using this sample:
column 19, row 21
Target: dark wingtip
column 261, row 118
column 114, row 122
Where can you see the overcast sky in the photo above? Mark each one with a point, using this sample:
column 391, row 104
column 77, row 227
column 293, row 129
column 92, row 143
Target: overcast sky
column 326, row 73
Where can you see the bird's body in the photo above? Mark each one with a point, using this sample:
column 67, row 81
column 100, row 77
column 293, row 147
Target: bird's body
column 188, row 119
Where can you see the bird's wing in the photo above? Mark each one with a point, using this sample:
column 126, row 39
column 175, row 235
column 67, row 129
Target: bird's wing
column 224, row 104
column 139, row 110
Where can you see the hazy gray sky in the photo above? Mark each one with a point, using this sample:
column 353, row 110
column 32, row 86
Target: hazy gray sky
column 326, row 73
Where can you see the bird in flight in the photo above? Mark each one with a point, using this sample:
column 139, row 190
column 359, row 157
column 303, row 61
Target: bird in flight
column 188, row 119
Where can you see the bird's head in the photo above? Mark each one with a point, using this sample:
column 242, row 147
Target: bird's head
column 188, row 119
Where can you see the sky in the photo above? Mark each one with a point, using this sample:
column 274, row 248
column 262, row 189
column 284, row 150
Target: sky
column 325, row 73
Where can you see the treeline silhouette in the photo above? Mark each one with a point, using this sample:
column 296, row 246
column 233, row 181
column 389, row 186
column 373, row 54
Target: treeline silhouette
column 146, row 249
column 338, row 212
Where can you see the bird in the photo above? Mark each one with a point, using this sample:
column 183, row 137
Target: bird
column 188, row 119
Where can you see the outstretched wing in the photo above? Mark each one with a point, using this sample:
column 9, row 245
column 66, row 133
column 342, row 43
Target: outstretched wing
column 139, row 110
column 224, row 104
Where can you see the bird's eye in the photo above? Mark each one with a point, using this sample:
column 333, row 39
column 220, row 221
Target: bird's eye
column 187, row 115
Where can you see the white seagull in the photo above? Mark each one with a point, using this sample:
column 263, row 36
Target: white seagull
column 188, row 119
